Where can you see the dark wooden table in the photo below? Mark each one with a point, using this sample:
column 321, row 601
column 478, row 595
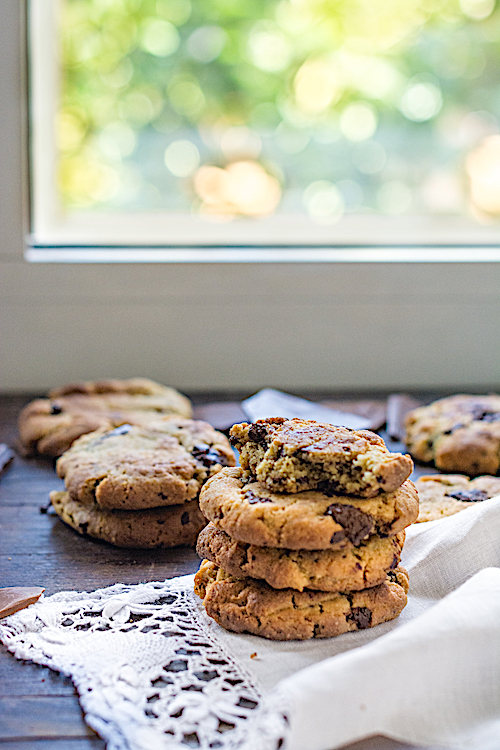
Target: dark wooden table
column 39, row 708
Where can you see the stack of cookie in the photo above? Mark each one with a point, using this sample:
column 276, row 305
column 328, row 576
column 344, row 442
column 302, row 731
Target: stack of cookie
column 48, row 426
column 305, row 537
column 138, row 486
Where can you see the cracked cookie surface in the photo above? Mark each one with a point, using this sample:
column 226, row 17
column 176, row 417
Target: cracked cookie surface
column 143, row 529
column 294, row 455
column 444, row 495
column 307, row 520
column 48, row 426
column 324, row 570
column 134, row 467
column 458, row 434
column 250, row 606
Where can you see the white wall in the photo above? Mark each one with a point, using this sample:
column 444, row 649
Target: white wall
column 241, row 327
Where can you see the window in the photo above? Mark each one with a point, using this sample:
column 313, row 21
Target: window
column 276, row 123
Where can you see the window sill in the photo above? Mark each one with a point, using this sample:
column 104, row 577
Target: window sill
column 417, row 254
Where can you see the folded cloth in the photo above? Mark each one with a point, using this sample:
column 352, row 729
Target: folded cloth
column 430, row 677
column 433, row 678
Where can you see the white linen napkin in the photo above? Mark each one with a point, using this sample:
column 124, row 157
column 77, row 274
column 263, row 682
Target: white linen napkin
column 434, row 677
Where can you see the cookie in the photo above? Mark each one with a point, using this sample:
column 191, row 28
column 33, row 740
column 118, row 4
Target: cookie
column 132, row 467
column 446, row 494
column 459, row 434
column 250, row 606
column 172, row 526
column 294, row 455
column 304, row 520
column 49, row 426
column 325, row 570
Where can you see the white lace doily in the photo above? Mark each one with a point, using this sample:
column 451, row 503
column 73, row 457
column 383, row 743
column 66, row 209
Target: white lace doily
column 149, row 671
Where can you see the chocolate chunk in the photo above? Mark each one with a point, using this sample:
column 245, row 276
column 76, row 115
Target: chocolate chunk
column 356, row 524
column 258, row 433
column 252, row 498
column 468, row 496
column 55, row 408
column 208, row 455
column 337, row 537
column 482, row 414
column 362, row 616
column 121, row 430
column 185, row 518
column 491, row 417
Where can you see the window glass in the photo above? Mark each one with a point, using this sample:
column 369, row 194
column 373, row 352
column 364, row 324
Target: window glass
column 230, row 108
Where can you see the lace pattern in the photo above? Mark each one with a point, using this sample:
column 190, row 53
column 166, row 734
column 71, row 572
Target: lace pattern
column 149, row 672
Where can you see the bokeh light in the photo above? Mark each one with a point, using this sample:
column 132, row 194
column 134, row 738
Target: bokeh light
column 233, row 109
column 243, row 188
column 182, row 158
column 421, row 100
column 483, row 169
column 324, row 202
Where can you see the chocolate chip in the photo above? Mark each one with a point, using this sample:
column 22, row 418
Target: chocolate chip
column 185, row 518
column 208, row 455
column 356, row 524
column 480, row 414
column 258, row 433
column 362, row 616
column 121, row 430
column 468, row 496
column 491, row 417
column 55, row 408
column 252, row 498
column 337, row 537
column 395, row 562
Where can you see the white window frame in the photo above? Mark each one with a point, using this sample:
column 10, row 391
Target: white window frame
column 159, row 237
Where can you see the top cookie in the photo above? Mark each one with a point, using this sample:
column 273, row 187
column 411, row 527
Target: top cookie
column 48, row 426
column 134, row 468
column 293, row 455
column 459, row 434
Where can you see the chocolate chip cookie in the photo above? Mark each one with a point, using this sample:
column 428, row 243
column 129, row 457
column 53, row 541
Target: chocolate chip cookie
column 459, row 434
column 324, row 570
column 250, row 606
column 133, row 467
column 305, row 520
column 446, row 494
column 172, row 526
column 294, row 455
column 48, row 426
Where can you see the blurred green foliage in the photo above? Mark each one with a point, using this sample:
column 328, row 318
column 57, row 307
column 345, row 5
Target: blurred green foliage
column 376, row 102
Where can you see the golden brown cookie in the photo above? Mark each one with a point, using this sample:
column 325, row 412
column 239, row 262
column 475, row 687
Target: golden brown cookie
column 324, row 570
column 48, row 426
column 304, row 520
column 443, row 495
column 172, row 526
column 459, row 434
column 250, row 606
column 294, row 455
column 132, row 467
